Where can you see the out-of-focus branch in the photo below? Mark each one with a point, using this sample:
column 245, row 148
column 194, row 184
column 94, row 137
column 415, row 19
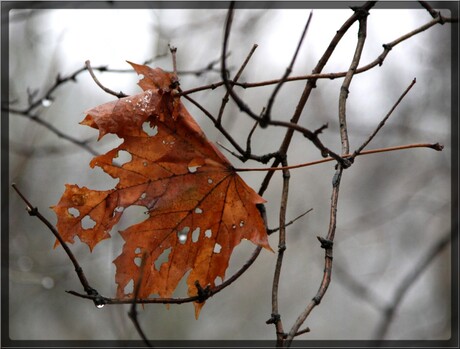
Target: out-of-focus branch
column 401, row 290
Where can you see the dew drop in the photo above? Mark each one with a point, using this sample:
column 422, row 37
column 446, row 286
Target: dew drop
column 100, row 306
column 144, row 163
column 241, row 223
column 143, row 196
column 46, row 102
column 234, row 226
column 48, row 282
column 182, row 234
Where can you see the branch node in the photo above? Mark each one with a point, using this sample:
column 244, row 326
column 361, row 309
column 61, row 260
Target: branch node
column 325, row 243
column 274, row 318
column 316, row 299
column 32, row 211
column 203, row 293
column 320, row 130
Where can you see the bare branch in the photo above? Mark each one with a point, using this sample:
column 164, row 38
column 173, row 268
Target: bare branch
column 344, row 90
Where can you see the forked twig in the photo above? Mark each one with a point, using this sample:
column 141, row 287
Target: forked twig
column 382, row 123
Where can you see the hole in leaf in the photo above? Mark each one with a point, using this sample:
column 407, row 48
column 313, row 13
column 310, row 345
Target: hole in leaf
column 217, row 281
column 196, row 234
column 87, row 223
column 210, row 180
column 198, row 210
column 133, row 214
column 138, row 261
column 208, row 233
column 151, row 131
column 122, row 158
column 143, row 196
column 73, row 212
column 217, row 248
column 163, row 257
column 129, row 287
column 137, row 250
column 182, row 234
column 192, row 169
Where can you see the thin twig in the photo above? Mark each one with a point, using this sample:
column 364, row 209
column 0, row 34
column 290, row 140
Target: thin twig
column 274, row 230
column 311, row 83
column 179, row 300
column 292, row 126
column 435, row 146
column 331, row 76
column 267, row 115
column 36, row 118
column 244, row 154
column 105, row 89
column 327, row 243
column 173, row 51
column 276, row 318
column 345, row 88
column 225, row 99
column 382, row 123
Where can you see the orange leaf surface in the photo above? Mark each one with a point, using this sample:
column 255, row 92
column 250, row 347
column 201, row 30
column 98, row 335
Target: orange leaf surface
column 198, row 208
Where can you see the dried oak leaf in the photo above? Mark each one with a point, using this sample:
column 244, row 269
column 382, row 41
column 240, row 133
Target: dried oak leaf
column 198, row 207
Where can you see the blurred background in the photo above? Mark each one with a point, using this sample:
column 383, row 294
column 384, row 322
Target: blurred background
column 394, row 208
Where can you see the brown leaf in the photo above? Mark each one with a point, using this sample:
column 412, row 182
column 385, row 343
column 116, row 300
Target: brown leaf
column 197, row 207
